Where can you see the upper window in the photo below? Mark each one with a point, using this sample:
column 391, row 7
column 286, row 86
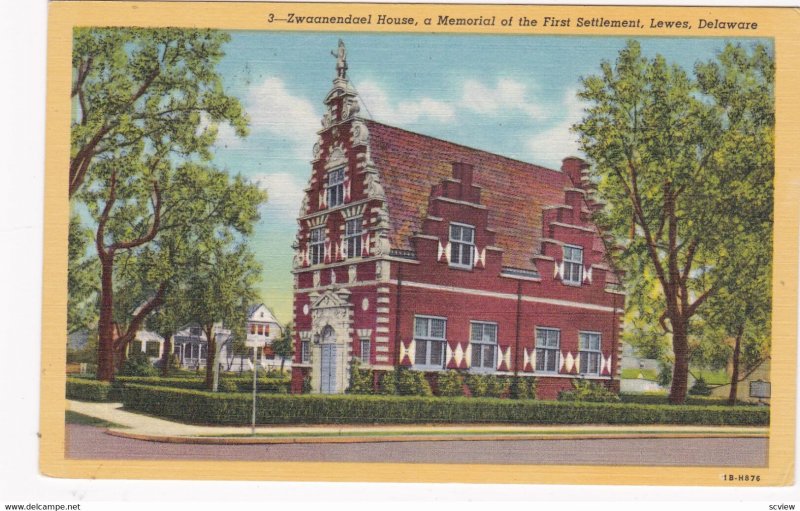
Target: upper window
column 317, row 245
column 429, row 338
column 589, row 352
column 352, row 237
column 335, row 187
column 305, row 352
column 462, row 245
column 573, row 264
column 548, row 341
column 483, row 338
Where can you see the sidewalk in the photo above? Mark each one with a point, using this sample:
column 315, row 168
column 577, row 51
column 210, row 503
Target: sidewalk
column 143, row 427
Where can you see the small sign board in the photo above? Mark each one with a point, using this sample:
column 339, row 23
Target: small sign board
column 760, row 389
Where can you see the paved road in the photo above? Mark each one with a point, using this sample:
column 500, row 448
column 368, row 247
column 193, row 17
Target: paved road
column 89, row 442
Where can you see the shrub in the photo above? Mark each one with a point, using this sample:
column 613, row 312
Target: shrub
column 227, row 386
column 450, row 384
column 522, row 387
column 412, row 383
column 700, row 388
column 306, row 384
column 84, row 389
column 137, row 364
column 589, row 392
column 477, row 385
column 214, row 408
column 388, row 383
column 360, row 379
column 236, row 384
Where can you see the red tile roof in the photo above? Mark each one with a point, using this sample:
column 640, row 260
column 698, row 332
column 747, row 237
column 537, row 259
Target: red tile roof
column 514, row 191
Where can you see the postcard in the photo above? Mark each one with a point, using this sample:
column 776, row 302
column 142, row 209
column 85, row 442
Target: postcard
column 421, row 243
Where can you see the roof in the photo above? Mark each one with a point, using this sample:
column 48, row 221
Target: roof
column 513, row 191
column 268, row 318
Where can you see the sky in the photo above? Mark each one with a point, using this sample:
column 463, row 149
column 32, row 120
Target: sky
column 511, row 95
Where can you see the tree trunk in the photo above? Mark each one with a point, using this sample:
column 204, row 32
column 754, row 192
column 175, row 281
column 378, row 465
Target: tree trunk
column 680, row 373
column 737, row 349
column 105, row 324
column 210, row 356
column 166, row 357
column 283, row 361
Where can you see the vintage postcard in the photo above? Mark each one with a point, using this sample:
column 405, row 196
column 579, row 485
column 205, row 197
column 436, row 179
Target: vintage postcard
column 437, row 243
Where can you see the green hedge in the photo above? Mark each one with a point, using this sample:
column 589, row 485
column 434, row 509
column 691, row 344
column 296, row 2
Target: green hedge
column 209, row 408
column 663, row 399
column 84, row 389
column 242, row 383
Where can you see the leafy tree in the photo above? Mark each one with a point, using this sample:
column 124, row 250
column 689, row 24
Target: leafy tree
column 221, row 287
column 283, row 346
column 82, row 282
column 136, row 87
column 674, row 159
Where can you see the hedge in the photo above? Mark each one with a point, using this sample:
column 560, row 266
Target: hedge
column 242, row 383
column 662, row 399
column 84, row 389
column 218, row 408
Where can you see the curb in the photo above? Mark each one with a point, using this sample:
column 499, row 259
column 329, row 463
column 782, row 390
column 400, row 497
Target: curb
column 413, row 438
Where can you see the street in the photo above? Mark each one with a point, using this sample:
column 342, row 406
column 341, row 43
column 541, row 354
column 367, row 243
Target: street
column 88, row 442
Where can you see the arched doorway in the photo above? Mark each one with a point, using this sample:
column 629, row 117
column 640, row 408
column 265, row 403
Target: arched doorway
column 328, row 361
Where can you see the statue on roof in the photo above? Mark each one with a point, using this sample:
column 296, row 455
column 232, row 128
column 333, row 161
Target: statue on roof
column 341, row 60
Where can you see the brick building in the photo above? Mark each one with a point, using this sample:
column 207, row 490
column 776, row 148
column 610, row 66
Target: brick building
column 413, row 251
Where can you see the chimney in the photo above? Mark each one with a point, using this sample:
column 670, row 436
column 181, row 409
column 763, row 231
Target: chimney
column 463, row 172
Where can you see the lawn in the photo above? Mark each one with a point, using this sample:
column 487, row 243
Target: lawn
column 85, row 420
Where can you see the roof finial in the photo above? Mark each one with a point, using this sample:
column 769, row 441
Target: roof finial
column 341, row 60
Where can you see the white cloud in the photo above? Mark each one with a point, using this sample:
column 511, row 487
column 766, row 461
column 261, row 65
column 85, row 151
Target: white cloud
column 403, row 112
column 284, row 193
column 275, row 110
column 551, row 146
column 507, row 95
column 226, row 135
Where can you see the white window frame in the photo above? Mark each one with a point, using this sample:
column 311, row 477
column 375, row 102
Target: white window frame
column 364, row 354
column 546, row 352
column 352, row 238
column 305, row 352
column 458, row 246
column 478, row 345
column 587, row 352
column 316, row 246
column 335, row 187
column 571, row 266
column 429, row 339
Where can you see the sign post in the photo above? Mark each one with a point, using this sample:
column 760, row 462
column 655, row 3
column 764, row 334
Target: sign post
column 255, row 344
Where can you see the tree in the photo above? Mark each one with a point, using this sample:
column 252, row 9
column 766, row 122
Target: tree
column 82, row 282
column 672, row 157
column 135, row 87
column 283, row 346
column 220, row 290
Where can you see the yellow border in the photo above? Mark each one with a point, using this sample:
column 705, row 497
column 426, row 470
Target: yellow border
column 778, row 23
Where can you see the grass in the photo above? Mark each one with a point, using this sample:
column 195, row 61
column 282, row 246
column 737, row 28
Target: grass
column 633, row 374
column 713, row 377
column 85, row 420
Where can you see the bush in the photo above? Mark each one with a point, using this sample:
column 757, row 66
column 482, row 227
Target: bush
column 522, row 387
column 662, row 398
column 227, row 386
column 201, row 407
column 412, row 383
column 236, row 384
column 450, row 384
column 360, row 379
column 700, row 388
column 137, row 364
column 84, row 389
column 588, row 392
column 388, row 385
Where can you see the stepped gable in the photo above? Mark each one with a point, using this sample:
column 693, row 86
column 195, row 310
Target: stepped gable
column 513, row 191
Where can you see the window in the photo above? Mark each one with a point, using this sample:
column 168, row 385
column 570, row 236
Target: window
column 305, row 354
column 195, row 331
column 152, row 349
column 352, row 237
column 462, row 245
column 317, row 245
column 252, row 328
column 365, row 351
column 429, row 336
column 136, row 347
column 335, row 187
column 260, row 329
column 548, row 341
column 483, row 338
column 589, row 352
column 573, row 264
